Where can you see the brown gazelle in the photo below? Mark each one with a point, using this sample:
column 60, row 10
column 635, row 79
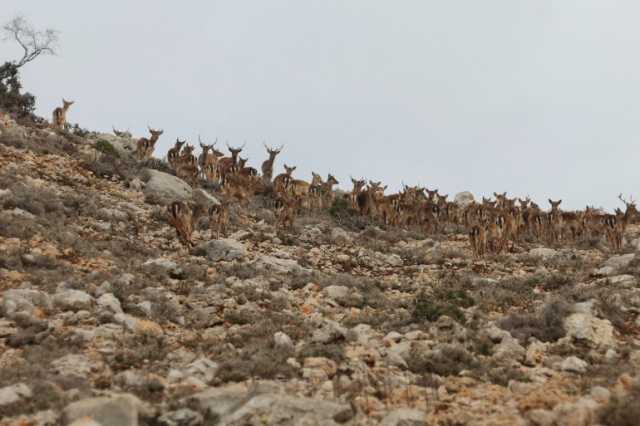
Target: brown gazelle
column 181, row 217
column 146, row 146
column 285, row 207
column 358, row 186
column 478, row 240
column 283, row 180
column 173, row 155
column 218, row 220
column 326, row 191
column 187, row 167
column 60, row 114
column 226, row 165
column 267, row 165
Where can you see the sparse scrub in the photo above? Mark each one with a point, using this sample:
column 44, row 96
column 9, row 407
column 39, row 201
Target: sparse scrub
column 622, row 410
column 447, row 360
column 546, row 326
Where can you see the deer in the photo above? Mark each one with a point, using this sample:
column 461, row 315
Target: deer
column 358, row 186
column 283, row 180
column 146, row 146
column 226, row 165
column 285, row 207
column 267, row 165
column 245, row 170
column 478, row 240
column 187, row 166
column 121, row 134
column 173, row 155
column 326, row 191
column 181, row 217
column 554, row 221
column 615, row 225
column 59, row 119
column 218, row 220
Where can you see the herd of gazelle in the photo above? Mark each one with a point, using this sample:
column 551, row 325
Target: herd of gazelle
column 493, row 226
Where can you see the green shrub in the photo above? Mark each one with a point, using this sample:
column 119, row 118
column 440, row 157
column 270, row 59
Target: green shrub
column 106, row 148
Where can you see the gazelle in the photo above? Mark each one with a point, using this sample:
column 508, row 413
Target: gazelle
column 181, row 217
column 326, row 191
column 59, row 118
column 478, row 240
column 226, row 165
column 358, row 186
column 173, row 155
column 218, row 220
column 283, row 180
column 146, row 146
column 285, row 211
column 267, row 165
column 187, row 166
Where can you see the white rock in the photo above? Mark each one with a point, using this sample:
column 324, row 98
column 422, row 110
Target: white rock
column 109, row 302
column 543, row 252
column 282, row 341
column 336, row 292
column 163, row 188
column 573, row 364
column 73, row 300
column 463, row 199
column 585, row 327
column 14, row 393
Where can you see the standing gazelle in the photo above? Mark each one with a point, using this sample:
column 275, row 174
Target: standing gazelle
column 146, row 146
column 267, row 165
column 173, row 155
column 60, row 114
column 181, row 217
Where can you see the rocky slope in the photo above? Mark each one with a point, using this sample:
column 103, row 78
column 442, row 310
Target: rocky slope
column 107, row 319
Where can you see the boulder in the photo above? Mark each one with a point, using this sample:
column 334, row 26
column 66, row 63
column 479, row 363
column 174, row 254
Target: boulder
column 586, row 327
column 163, row 188
column 73, row 300
column 117, row 410
column 14, row 393
column 224, row 249
column 204, row 199
column 125, row 147
column 463, row 199
column 543, row 252
column 573, row 364
column 404, row 417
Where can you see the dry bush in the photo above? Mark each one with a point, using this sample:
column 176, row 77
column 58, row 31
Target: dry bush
column 447, row 297
column 622, row 410
column 509, row 293
column 447, row 360
column 37, row 201
column 546, row 326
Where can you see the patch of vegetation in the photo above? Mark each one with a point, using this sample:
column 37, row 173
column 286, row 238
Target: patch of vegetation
column 12, row 100
column 622, row 410
column 447, row 360
column 546, row 326
column 106, row 148
column 448, row 297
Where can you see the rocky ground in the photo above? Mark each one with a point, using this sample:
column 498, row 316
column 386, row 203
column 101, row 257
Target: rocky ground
column 106, row 319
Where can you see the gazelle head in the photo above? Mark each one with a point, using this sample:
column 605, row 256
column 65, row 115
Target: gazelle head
column 316, row 179
column 66, row 104
column 631, row 206
column 289, row 170
column 432, row 194
column 555, row 205
column 358, row 184
column 179, row 143
column 155, row 134
column 188, row 150
column 273, row 151
column 242, row 162
column 332, row 180
column 235, row 151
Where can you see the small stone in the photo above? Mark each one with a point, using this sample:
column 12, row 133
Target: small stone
column 14, row 393
column 73, row 300
column 573, row 364
column 282, row 341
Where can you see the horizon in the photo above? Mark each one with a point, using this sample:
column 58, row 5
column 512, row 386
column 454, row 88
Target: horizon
column 530, row 99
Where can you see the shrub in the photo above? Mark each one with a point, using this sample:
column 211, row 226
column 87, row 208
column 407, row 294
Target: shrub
column 445, row 361
column 11, row 100
column 546, row 326
column 106, row 148
column 622, row 411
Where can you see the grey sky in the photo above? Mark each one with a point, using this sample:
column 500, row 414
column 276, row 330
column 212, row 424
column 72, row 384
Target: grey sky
column 530, row 97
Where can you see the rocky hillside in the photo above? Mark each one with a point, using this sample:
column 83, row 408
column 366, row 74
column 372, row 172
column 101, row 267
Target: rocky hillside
column 106, row 319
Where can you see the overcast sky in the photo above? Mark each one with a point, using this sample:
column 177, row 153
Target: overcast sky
column 529, row 97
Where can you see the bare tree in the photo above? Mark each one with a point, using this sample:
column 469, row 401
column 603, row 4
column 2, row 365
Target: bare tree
column 33, row 42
